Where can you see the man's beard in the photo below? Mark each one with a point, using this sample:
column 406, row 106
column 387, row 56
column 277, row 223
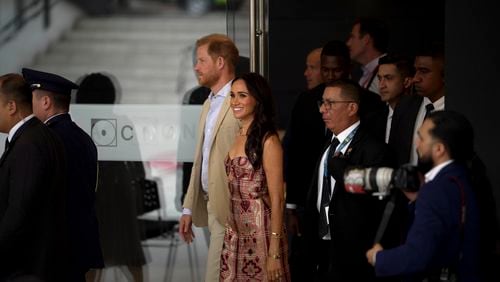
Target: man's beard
column 425, row 164
column 208, row 80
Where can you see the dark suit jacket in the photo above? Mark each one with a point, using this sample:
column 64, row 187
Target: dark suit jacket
column 403, row 126
column 373, row 113
column 82, row 176
column 435, row 239
column 303, row 143
column 33, row 230
column 353, row 218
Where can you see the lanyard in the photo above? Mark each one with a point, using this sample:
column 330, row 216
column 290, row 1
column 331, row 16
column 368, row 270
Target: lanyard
column 347, row 140
column 339, row 148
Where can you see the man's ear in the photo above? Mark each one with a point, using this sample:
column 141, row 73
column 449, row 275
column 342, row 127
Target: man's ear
column 440, row 149
column 46, row 102
column 407, row 82
column 366, row 39
column 353, row 109
column 12, row 107
column 220, row 62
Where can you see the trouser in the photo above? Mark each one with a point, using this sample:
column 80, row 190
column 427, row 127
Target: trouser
column 215, row 247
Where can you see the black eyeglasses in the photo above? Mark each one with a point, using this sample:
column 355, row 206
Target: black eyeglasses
column 329, row 103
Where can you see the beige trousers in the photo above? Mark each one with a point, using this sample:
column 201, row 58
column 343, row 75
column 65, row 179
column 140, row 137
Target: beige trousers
column 215, row 247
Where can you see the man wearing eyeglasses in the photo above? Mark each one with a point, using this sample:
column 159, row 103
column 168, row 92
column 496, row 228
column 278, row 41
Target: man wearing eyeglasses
column 301, row 154
column 340, row 224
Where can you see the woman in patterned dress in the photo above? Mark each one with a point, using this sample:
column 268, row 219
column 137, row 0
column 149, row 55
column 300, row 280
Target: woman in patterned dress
column 255, row 241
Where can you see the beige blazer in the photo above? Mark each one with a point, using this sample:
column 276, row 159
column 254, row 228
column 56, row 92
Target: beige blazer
column 225, row 131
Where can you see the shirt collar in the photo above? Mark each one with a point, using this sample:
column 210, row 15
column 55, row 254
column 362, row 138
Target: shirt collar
column 391, row 111
column 429, row 176
column 438, row 104
column 343, row 135
column 372, row 64
column 222, row 92
column 13, row 130
column 47, row 121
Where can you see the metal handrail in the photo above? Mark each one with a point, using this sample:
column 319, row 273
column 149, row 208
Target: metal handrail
column 24, row 15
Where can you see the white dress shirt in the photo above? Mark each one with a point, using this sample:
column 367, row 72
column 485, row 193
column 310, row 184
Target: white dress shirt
column 341, row 137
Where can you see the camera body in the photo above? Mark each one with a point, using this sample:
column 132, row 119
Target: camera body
column 379, row 181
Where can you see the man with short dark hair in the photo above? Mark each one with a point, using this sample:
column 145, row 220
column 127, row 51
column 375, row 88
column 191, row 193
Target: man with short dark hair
column 412, row 109
column 443, row 240
column 339, row 224
column 51, row 100
column 304, row 138
column 33, row 225
column 395, row 74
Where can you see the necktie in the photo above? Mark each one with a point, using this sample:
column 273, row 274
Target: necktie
column 6, row 144
column 326, row 190
column 428, row 110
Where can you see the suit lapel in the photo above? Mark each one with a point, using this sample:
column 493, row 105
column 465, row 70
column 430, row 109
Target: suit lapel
column 203, row 119
column 223, row 111
column 358, row 136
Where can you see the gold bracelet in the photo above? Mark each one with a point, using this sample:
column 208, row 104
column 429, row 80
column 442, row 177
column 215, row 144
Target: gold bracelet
column 275, row 256
column 276, row 235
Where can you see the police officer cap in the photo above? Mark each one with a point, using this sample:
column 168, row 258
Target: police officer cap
column 48, row 81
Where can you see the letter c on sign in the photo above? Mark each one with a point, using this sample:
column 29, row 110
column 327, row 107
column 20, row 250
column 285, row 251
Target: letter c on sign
column 130, row 132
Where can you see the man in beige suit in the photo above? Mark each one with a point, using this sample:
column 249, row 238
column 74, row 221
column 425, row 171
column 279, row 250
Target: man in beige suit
column 207, row 198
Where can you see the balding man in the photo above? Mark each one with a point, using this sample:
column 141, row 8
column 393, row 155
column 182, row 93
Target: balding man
column 313, row 69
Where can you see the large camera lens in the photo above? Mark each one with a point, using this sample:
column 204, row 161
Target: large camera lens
column 371, row 180
column 379, row 179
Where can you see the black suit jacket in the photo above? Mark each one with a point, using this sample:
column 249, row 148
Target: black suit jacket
column 82, row 179
column 373, row 113
column 354, row 218
column 403, row 126
column 303, row 143
column 33, row 230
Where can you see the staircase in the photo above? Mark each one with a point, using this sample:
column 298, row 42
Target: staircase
column 149, row 53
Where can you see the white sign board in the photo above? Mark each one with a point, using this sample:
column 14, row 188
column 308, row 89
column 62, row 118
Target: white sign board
column 139, row 132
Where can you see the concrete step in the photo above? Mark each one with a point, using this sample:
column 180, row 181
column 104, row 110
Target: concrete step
column 135, row 35
column 215, row 22
column 100, row 60
column 145, row 74
column 157, row 47
column 150, row 56
column 163, row 86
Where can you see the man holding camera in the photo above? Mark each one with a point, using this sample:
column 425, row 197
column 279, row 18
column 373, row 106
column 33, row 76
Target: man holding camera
column 442, row 243
column 340, row 226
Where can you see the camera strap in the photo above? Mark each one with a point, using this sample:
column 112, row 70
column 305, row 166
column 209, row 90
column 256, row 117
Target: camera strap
column 389, row 208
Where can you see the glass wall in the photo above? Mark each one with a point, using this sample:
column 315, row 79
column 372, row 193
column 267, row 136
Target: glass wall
column 134, row 62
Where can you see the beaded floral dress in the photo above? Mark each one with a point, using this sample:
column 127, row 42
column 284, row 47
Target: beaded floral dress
column 246, row 240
